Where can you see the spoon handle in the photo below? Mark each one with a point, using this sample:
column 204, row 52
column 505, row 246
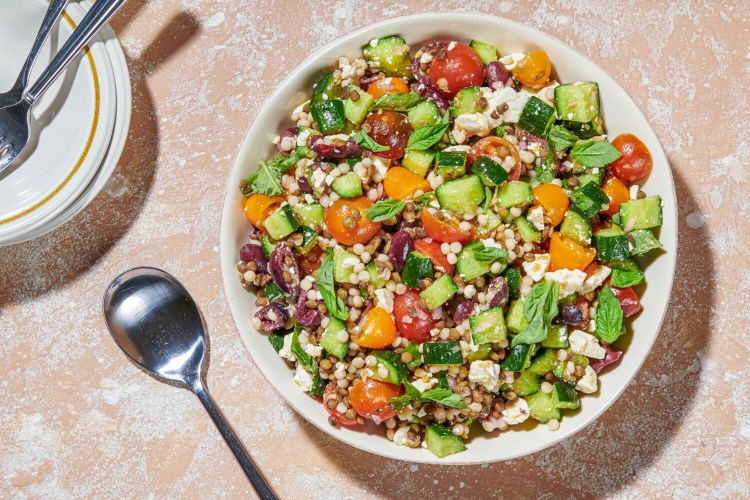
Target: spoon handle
column 262, row 488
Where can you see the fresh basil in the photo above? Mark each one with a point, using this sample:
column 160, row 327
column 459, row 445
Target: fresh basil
column 487, row 200
column 625, row 273
column 643, row 242
column 426, row 137
column 397, row 102
column 560, row 138
column 608, row 316
column 305, row 359
column 445, row 397
column 544, row 175
column 488, row 255
column 539, row 309
column 277, row 340
column 595, row 153
column 324, row 279
column 384, row 210
column 399, row 402
column 272, row 292
column 423, row 200
column 367, row 142
column 267, row 180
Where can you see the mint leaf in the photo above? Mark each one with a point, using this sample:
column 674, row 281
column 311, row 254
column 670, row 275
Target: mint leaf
column 385, row 209
column 324, row 279
column 397, row 102
column 595, row 154
column 399, row 402
column 488, row 255
column 560, row 138
column 608, row 316
column 625, row 273
column 445, row 397
column 267, row 180
column 367, row 142
column 426, row 137
column 539, row 309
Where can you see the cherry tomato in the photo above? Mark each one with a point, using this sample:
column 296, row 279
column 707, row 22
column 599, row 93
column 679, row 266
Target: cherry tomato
column 369, row 398
column 432, row 250
column 497, row 149
column 413, row 321
column 460, row 67
column 384, row 86
column 635, row 163
column 340, row 417
column 554, row 201
column 310, row 261
column 444, row 227
column 618, row 193
column 345, row 219
column 376, row 330
column 259, row 206
column 628, row 299
column 400, row 183
column 391, row 129
column 533, row 70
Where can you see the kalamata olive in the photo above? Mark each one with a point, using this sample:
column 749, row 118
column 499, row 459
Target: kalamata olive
column 424, row 87
column 284, row 270
column 499, row 285
column 401, row 244
column 406, row 224
column 610, row 357
column 304, row 185
column 273, row 316
column 254, row 253
column 370, row 76
column 290, row 133
column 463, row 311
column 526, row 138
column 571, row 315
column 495, row 73
column 307, row 316
column 338, row 150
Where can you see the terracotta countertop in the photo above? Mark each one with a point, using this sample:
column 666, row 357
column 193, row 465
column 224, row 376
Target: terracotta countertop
column 79, row 420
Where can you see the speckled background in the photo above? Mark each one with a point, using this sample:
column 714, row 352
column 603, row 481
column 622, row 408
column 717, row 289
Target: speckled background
column 79, row 420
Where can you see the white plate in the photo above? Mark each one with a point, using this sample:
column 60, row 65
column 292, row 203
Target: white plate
column 620, row 115
column 71, row 124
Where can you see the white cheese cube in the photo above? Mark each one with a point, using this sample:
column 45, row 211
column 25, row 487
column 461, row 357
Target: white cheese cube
column 586, row 344
column 537, row 267
column 516, row 412
column 588, row 384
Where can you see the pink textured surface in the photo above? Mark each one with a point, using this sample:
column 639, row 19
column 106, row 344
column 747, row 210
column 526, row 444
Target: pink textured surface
column 79, row 420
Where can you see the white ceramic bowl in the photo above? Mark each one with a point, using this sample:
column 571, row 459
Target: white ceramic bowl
column 620, row 115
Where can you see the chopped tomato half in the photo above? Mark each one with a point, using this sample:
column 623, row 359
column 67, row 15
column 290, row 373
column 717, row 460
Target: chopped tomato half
column 457, row 68
column 636, row 163
column 497, row 149
column 399, row 183
column 443, row 227
column 628, row 299
column 376, row 330
column 259, row 206
column 554, row 201
column 533, row 70
column 370, row 398
column 310, row 261
column 391, row 85
column 618, row 193
column 413, row 321
column 391, row 129
column 565, row 253
column 340, row 417
column 432, row 250
column 346, row 220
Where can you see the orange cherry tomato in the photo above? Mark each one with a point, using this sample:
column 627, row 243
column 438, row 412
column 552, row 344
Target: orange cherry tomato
column 376, row 331
column 391, row 85
column 565, row 253
column 635, row 163
column 554, row 201
column 369, row 398
column 432, row 250
column 452, row 70
column 533, row 70
column 399, row 183
column 618, row 192
column 345, row 219
column 259, row 206
column 444, row 227
column 330, row 391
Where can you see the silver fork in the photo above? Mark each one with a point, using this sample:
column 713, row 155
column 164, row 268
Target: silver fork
column 14, row 120
column 50, row 18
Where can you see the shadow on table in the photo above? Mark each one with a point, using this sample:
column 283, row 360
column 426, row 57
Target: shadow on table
column 33, row 268
column 607, row 455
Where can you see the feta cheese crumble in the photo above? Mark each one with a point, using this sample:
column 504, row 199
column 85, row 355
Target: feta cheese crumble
column 596, row 278
column 537, row 267
column 588, row 384
column 569, row 281
column 286, row 350
column 303, row 379
column 425, row 383
column 586, row 344
column 536, row 217
column 516, row 412
column 485, row 373
column 385, row 299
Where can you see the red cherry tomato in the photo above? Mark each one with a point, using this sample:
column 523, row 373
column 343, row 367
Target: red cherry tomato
column 460, row 67
column 311, row 261
column 391, row 129
column 369, row 398
column 340, row 417
column 432, row 250
column 346, row 220
column 497, row 149
column 628, row 299
column 445, row 229
column 412, row 321
column 635, row 163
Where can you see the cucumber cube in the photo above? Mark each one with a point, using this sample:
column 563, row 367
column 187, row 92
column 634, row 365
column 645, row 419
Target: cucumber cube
column 488, row 326
column 440, row 292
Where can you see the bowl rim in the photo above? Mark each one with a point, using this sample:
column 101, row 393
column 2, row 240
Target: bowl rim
column 669, row 258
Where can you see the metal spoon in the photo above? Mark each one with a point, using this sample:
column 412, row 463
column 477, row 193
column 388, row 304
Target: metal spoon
column 155, row 321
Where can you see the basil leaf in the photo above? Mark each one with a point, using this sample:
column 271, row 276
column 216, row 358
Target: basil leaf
column 367, row 142
column 608, row 316
column 319, row 384
column 487, row 199
column 385, row 209
column 560, row 138
column 643, row 242
column 426, row 137
column 277, row 340
column 327, row 289
column 544, row 175
column 267, row 180
column 305, row 360
column 594, row 153
column 539, row 309
column 534, row 332
column 397, row 102
column 446, row 397
column 622, row 278
column 488, row 255
column 400, row 402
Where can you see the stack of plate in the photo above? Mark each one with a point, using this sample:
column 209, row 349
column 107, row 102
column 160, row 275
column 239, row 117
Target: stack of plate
column 79, row 126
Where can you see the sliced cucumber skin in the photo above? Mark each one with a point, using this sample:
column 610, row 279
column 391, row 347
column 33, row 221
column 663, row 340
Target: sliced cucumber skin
column 325, row 89
column 330, row 342
column 329, row 115
column 492, row 324
column 441, row 441
column 268, row 245
column 416, row 267
column 281, row 223
column 348, row 185
column 641, row 214
column 462, row 195
column 440, row 292
column 590, row 199
column 542, row 408
column 537, row 116
column 391, row 63
column 527, row 231
column 487, row 51
column 356, row 111
column 341, row 272
column 557, row 337
column 518, row 358
column 526, row 384
column 513, row 276
column 391, row 362
column 611, row 246
column 577, row 227
column 514, row 193
column 423, row 114
column 545, row 362
column 310, row 214
column 491, row 172
column 442, row 353
column 466, row 101
column 451, row 164
column 467, row 266
column 482, row 353
column 418, row 162
column 577, row 102
column 564, row 396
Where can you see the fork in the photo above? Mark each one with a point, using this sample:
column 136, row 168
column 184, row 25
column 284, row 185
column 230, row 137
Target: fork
column 14, row 119
column 15, row 94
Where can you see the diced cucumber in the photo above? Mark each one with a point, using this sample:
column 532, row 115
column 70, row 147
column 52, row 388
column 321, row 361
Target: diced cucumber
column 310, row 214
column 348, row 185
column 462, row 195
column 441, row 441
column 390, row 362
column 440, row 292
column 267, row 245
column 527, row 231
column 564, row 396
column 526, row 384
column 391, row 54
column 466, row 101
column 641, row 214
column 492, row 222
column 545, row 362
column 487, row 51
column 281, row 223
column 577, row 102
column 467, row 266
column 375, row 278
column 576, row 226
column 514, row 194
column 418, row 162
column 488, row 327
column 326, row 89
column 491, row 172
column 557, row 337
column 542, row 407
column 513, row 276
column 357, row 104
column 516, row 319
column 611, row 244
column 537, row 116
column 343, row 264
column 309, row 238
column 587, row 176
column 586, row 130
column 442, row 353
column 451, row 164
column 518, row 357
column 423, row 113
column 589, row 199
column 416, row 267
column 482, row 353
column 644, row 241
column 330, row 342
column 328, row 115
column 272, row 292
